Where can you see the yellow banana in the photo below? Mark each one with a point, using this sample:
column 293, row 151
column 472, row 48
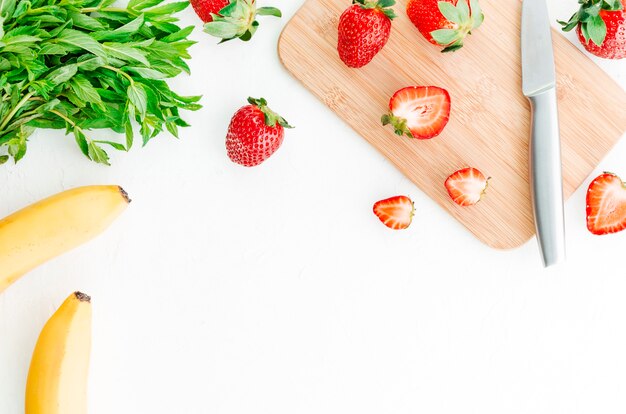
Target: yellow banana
column 57, row 379
column 55, row 225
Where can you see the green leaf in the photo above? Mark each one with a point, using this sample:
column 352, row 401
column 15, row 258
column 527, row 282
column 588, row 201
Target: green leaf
column 53, row 49
column 87, row 22
column 137, row 96
column 477, row 14
column 13, row 40
column 84, row 89
column 3, row 159
column 179, row 35
column 172, row 128
column 81, row 141
column 81, row 40
column 62, row 74
column 97, row 154
column 115, row 145
column 7, row 7
column 450, row 12
column 143, row 4
column 585, row 33
column 121, row 32
column 146, row 73
column 21, row 9
column 445, row 36
column 596, row 28
column 166, row 9
column 463, row 10
column 90, row 63
column 48, row 106
column 126, row 53
column 17, row 147
column 271, row 11
column 128, row 129
column 222, row 29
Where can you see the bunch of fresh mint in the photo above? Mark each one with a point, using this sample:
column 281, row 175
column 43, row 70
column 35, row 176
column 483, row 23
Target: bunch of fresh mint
column 86, row 64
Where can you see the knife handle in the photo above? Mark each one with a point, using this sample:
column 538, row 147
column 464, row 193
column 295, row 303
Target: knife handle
column 546, row 177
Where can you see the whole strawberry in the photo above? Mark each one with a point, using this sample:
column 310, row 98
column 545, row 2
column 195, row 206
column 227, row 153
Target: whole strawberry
column 255, row 133
column 445, row 23
column 231, row 19
column 364, row 29
column 601, row 27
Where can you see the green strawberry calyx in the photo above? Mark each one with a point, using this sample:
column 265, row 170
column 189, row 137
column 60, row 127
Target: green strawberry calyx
column 399, row 124
column 271, row 117
column 381, row 5
column 465, row 18
column 237, row 20
column 592, row 26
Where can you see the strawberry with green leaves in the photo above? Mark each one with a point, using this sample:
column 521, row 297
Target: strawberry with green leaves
column 445, row 23
column 601, row 27
column 364, row 29
column 231, row 19
column 255, row 133
column 420, row 112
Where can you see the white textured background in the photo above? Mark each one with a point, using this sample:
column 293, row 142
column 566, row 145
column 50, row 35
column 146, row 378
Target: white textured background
column 275, row 290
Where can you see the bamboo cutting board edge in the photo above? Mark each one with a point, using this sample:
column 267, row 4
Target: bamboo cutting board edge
column 455, row 211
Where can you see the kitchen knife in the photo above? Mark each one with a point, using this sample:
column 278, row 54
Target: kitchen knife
column 539, row 86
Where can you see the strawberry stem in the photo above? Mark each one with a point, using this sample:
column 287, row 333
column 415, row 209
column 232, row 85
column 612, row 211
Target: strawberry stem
column 382, row 5
column 271, row 117
column 237, row 20
column 466, row 16
column 399, row 124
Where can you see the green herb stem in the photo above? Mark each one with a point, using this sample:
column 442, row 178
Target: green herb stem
column 106, row 9
column 120, row 72
column 11, row 114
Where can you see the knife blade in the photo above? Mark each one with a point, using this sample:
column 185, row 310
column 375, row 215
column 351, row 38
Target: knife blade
column 539, row 86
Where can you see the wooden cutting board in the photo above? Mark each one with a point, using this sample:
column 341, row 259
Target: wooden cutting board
column 489, row 123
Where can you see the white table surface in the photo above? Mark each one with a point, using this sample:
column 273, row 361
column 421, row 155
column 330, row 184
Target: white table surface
column 276, row 290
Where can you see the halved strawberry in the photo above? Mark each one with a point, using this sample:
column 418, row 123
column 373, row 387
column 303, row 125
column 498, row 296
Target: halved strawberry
column 395, row 212
column 420, row 112
column 606, row 205
column 467, row 186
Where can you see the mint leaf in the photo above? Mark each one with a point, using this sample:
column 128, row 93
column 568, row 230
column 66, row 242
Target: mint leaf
column 97, row 154
column 62, row 74
column 139, row 99
column 81, row 40
column 84, row 90
column 273, row 11
column 126, row 52
column 88, row 64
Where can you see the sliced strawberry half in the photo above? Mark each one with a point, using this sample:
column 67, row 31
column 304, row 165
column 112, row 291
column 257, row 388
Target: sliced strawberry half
column 395, row 212
column 606, row 205
column 467, row 186
column 419, row 111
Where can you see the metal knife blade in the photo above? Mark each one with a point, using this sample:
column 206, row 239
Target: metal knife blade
column 538, row 73
column 539, row 85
